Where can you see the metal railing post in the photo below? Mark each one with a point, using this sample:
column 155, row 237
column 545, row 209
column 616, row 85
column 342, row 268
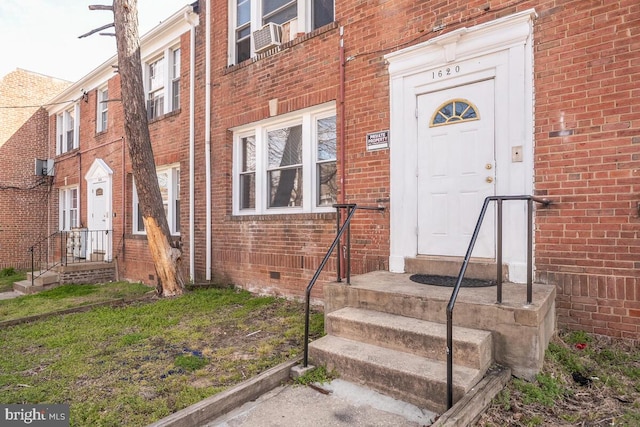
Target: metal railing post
column 348, row 267
column 339, row 253
column 529, row 251
column 32, row 266
column 499, row 253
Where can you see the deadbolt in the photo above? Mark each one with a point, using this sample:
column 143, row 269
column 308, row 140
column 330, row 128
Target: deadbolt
column 488, row 166
column 489, row 179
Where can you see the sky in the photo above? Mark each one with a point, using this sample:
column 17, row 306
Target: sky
column 42, row 35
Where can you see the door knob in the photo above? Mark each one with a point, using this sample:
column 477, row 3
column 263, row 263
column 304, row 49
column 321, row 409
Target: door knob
column 489, row 179
column 488, row 166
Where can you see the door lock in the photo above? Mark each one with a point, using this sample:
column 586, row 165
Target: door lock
column 488, row 166
column 489, row 179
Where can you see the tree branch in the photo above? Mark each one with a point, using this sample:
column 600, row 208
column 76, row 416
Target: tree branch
column 104, row 27
column 100, row 7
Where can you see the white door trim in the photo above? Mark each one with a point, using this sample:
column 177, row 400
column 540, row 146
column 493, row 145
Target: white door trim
column 101, row 172
column 501, row 49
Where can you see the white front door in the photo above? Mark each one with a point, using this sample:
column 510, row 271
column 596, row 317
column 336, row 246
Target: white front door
column 99, row 239
column 456, row 169
column 99, row 179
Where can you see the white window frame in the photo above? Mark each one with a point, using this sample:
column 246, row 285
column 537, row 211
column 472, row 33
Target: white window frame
column 102, row 109
column 67, row 210
column 304, row 22
column 63, row 128
column 173, row 198
column 165, row 86
column 310, row 188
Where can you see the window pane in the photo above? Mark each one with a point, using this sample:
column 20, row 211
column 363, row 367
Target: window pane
column 140, row 220
column 322, row 13
column 244, row 12
column 284, row 15
column 243, row 50
column 285, row 187
column 156, row 74
column 285, row 147
column 176, row 64
column 248, row 191
column 249, row 154
column 177, row 217
column 327, row 187
column 326, row 138
column 163, row 182
column 269, row 6
column 175, row 88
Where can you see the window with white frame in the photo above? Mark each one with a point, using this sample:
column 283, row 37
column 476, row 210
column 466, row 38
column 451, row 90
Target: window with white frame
column 67, row 129
column 287, row 164
column 169, row 182
column 163, row 83
column 102, row 109
column 69, row 208
column 250, row 15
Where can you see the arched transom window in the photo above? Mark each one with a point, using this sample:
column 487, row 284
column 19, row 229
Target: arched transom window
column 454, row 111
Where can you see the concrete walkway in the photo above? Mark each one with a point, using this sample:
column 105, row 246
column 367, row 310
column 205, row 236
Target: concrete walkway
column 338, row 403
column 9, row 295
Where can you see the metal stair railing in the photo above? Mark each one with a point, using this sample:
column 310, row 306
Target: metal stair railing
column 346, row 226
column 454, row 295
column 71, row 246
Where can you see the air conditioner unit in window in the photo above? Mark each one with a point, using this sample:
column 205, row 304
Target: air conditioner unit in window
column 267, row 37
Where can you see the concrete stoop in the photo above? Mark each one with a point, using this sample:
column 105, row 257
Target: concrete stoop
column 42, row 282
column 389, row 333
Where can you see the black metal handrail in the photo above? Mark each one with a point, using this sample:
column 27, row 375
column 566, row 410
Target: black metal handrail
column 351, row 210
column 465, row 262
column 71, row 246
column 38, row 245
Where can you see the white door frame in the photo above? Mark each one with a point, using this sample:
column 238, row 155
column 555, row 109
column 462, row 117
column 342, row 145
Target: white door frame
column 501, row 50
column 101, row 172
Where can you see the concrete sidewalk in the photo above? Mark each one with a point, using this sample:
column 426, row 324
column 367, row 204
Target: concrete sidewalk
column 10, row 295
column 338, row 403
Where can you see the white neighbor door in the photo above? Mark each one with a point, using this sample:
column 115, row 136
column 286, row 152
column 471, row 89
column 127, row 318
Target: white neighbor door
column 99, row 213
column 456, row 169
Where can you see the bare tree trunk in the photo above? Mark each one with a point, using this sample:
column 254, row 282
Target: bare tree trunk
column 166, row 257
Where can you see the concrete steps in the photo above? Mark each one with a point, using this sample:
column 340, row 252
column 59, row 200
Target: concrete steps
column 401, row 356
column 42, row 282
column 473, row 348
column 389, row 333
column 402, row 375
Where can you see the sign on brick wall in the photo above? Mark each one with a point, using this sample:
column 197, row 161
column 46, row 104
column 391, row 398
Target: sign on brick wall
column 378, row 140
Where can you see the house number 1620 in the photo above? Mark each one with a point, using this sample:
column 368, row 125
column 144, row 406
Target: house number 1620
column 445, row 72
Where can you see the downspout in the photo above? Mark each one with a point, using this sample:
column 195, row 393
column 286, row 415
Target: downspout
column 207, row 138
column 341, row 129
column 341, row 141
column 192, row 20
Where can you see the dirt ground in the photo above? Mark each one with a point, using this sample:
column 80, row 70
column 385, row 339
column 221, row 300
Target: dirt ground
column 586, row 381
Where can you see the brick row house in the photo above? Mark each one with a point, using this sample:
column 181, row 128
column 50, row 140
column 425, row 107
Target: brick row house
column 265, row 114
column 23, row 192
column 95, row 191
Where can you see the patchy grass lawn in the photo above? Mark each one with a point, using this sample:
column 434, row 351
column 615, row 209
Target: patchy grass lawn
column 585, row 381
column 8, row 276
column 68, row 296
column 135, row 364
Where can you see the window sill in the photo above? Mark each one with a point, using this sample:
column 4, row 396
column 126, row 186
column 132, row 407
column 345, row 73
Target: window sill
column 284, row 217
column 284, row 46
column 67, row 154
column 165, row 116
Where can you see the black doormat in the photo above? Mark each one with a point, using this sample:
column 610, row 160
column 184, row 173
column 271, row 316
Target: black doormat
column 449, row 281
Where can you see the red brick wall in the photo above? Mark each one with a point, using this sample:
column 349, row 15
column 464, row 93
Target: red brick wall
column 585, row 65
column 23, row 195
column 169, row 137
column 588, row 162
